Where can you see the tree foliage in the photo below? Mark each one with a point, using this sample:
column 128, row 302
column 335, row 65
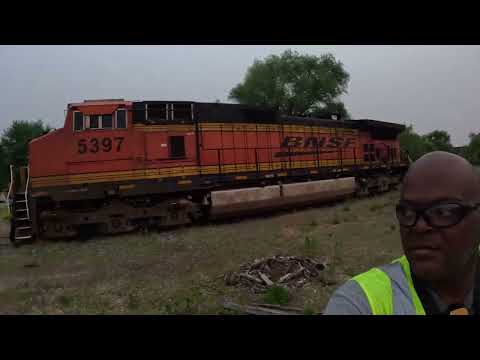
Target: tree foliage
column 294, row 84
column 14, row 145
column 334, row 107
column 472, row 151
column 417, row 145
column 438, row 140
column 412, row 143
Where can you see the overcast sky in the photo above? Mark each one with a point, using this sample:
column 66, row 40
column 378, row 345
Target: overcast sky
column 431, row 87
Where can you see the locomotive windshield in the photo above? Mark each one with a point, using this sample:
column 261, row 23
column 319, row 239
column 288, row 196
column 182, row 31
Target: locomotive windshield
column 115, row 120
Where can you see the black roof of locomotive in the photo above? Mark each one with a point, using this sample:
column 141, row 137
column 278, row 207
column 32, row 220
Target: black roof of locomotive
column 370, row 124
column 240, row 113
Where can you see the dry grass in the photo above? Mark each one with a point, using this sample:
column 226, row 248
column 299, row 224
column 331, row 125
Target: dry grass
column 181, row 271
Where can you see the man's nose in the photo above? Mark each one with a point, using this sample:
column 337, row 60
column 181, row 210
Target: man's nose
column 421, row 225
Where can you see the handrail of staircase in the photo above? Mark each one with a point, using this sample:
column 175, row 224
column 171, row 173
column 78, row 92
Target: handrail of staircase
column 10, row 189
column 26, row 192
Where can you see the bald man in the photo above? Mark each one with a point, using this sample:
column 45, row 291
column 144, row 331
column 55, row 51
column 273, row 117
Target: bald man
column 439, row 218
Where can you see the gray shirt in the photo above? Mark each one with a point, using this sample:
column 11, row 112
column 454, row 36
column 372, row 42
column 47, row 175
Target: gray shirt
column 350, row 299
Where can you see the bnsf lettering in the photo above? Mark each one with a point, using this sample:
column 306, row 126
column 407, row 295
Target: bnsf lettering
column 335, row 142
column 292, row 141
column 313, row 142
column 94, row 145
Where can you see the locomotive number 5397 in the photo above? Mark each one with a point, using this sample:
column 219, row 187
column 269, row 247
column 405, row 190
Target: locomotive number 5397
column 95, row 145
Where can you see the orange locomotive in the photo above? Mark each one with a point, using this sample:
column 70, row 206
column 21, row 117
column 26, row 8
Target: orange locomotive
column 118, row 165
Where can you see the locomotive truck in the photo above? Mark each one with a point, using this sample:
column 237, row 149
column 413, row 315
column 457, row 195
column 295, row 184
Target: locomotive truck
column 116, row 165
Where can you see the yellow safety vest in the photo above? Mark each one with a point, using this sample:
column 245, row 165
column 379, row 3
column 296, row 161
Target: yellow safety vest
column 377, row 286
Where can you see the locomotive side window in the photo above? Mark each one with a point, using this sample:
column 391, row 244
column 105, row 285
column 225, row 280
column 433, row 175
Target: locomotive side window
column 78, row 124
column 181, row 112
column 94, row 122
column 157, row 112
column 177, row 146
column 369, row 152
column 107, row 121
column 139, row 113
column 366, row 152
column 121, row 119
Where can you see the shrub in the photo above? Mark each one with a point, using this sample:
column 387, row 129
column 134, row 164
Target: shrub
column 277, row 295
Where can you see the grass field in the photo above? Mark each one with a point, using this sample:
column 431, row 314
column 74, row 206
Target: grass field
column 181, row 271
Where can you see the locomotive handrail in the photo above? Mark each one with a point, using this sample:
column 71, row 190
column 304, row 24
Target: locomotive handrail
column 26, row 192
column 10, row 189
column 347, row 156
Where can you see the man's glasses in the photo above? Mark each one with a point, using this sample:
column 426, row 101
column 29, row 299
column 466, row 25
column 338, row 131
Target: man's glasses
column 436, row 216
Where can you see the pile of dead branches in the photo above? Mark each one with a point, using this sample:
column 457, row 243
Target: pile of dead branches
column 286, row 271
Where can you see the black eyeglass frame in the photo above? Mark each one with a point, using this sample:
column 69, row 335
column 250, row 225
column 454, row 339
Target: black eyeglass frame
column 420, row 211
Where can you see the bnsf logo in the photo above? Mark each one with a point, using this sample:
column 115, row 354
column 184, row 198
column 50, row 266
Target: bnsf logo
column 313, row 142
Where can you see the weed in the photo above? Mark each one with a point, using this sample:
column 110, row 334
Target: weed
column 346, row 208
column 310, row 243
column 277, row 295
column 308, row 311
column 336, row 260
column 179, row 306
column 65, row 300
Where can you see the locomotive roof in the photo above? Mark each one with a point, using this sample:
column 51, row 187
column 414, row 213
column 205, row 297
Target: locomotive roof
column 223, row 112
column 379, row 129
column 303, row 120
column 369, row 123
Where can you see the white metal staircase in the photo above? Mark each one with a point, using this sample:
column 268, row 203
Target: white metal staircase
column 18, row 207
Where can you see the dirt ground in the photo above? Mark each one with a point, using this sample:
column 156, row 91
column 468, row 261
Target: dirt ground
column 181, row 271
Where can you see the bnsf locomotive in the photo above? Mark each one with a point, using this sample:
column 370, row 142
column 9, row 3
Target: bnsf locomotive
column 119, row 165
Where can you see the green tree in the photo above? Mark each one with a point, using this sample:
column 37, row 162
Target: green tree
column 334, row 107
column 417, row 145
column 472, row 151
column 412, row 143
column 14, row 145
column 438, row 140
column 294, row 84
column 4, row 169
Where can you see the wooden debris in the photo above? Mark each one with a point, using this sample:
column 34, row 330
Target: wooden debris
column 292, row 275
column 250, row 277
column 278, row 307
column 288, row 271
column 266, row 279
column 260, row 310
